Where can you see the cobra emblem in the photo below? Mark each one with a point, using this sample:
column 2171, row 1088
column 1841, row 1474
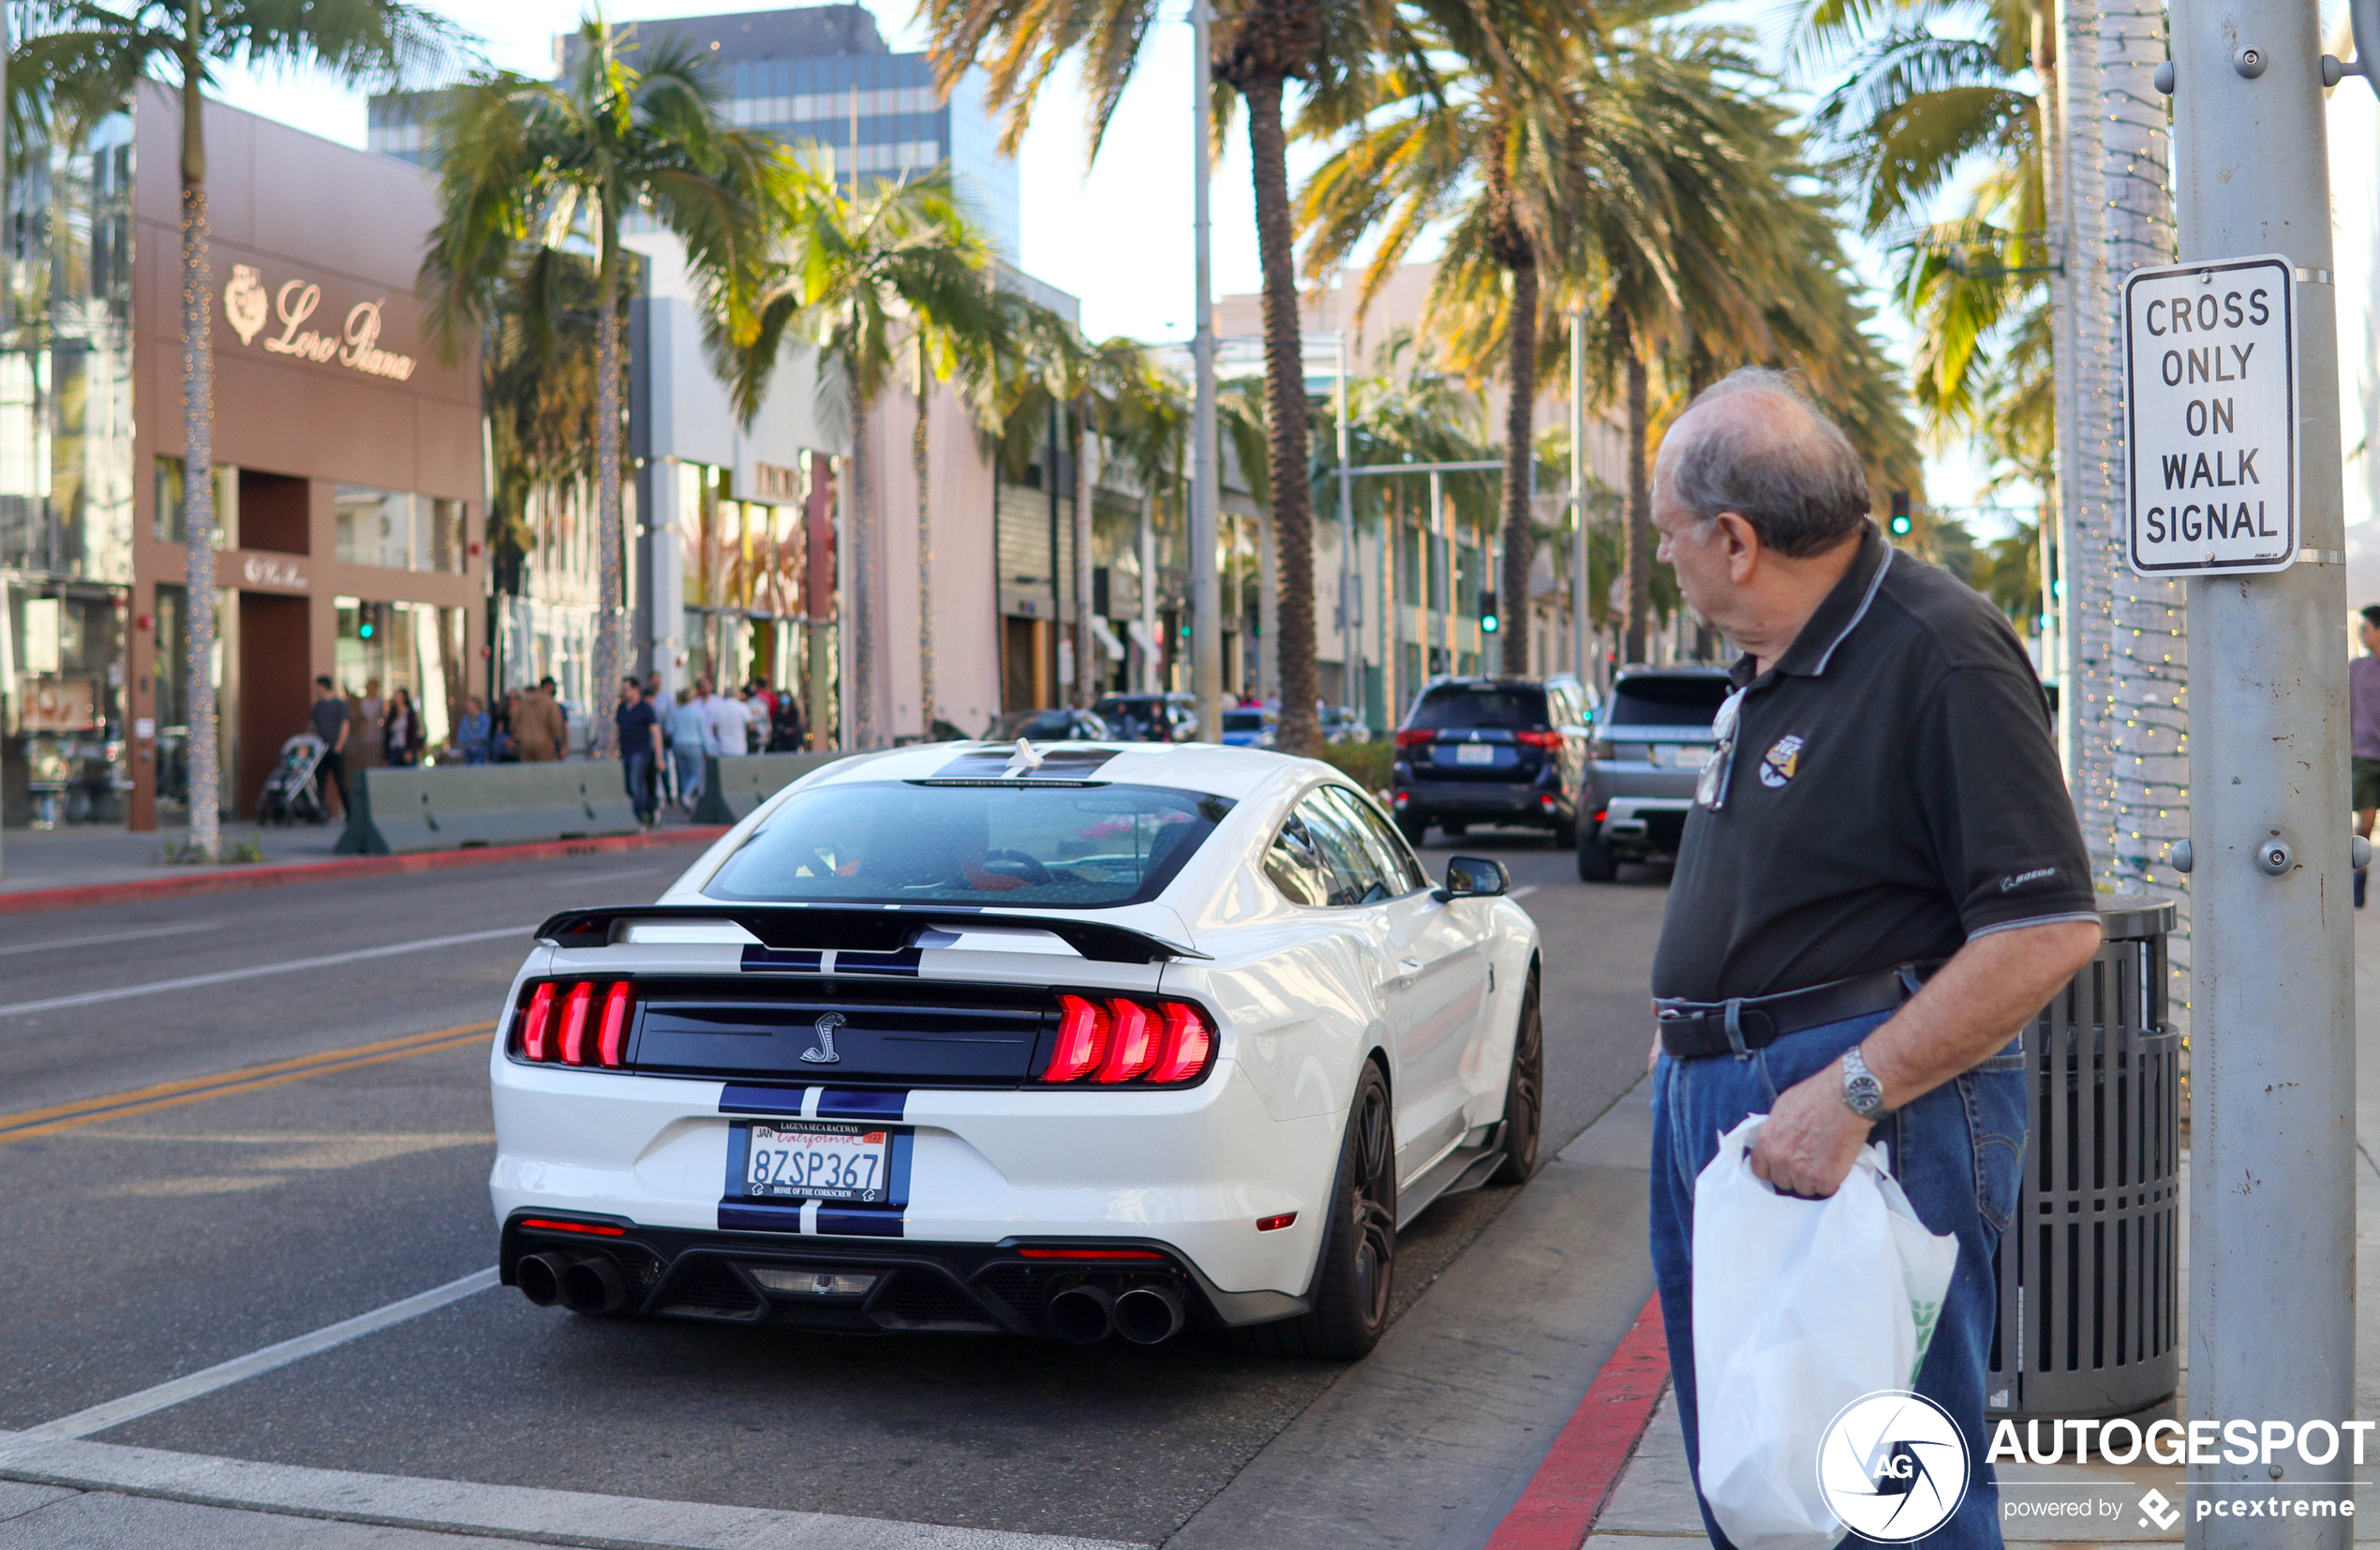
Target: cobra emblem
column 825, row 1028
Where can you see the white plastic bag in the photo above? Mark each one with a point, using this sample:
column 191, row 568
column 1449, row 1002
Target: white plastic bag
column 1800, row 1307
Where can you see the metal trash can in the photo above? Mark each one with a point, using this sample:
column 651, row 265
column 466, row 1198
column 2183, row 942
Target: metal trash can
column 2090, row 1311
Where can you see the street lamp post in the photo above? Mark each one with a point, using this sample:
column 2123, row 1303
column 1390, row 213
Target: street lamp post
column 1579, row 596
column 1350, row 592
column 1206, row 589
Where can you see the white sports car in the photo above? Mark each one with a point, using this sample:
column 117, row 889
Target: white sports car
column 1069, row 1038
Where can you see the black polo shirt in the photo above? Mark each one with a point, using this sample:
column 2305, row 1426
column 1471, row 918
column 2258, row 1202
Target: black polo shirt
column 1895, row 791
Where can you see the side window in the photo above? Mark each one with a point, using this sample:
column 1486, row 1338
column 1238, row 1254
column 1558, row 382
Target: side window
column 1392, row 856
column 1355, row 878
column 1296, row 867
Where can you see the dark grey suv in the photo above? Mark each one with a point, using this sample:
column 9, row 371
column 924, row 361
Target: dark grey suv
column 1493, row 750
column 1651, row 738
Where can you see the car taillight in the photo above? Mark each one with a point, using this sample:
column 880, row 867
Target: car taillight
column 1413, row 737
column 582, row 1023
column 1133, row 1046
column 1538, row 740
column 1082, row 1041
column 537, row 1024
column 1124, row 1040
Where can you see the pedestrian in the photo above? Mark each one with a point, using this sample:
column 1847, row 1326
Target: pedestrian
column 474, row 734
column 786, row 733
column 538, row 726
column 502, row 746
column 553, row 692
column 327, row 716
column 400, row 731
column 640, row 747
column 1880, row 885
column 731, row 723
column 688, row 735
column 364, row 717
column 2363, row 704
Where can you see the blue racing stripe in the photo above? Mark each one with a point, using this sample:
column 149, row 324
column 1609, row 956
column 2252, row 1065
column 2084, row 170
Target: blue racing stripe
column 737, row 1098
column 904, row 962
column 887, row 1107
column 784, row 959
column 836, row 1221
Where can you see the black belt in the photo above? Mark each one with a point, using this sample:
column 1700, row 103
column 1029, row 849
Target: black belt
column 1693, row 1029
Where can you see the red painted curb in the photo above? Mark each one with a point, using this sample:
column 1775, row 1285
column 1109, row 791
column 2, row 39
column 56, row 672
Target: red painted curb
column 1567, row 1494
column 35, row 901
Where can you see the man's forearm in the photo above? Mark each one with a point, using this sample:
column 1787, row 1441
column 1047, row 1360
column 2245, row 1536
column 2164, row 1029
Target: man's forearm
column 1974, row 1004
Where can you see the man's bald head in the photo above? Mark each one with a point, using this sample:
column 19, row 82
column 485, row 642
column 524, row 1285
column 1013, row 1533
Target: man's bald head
column 1753, row 445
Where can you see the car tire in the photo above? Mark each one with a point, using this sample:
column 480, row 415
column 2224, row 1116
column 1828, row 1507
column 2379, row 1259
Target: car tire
column 1565, row 833
column 1352, row 1283
column 1596, row 864
column 1455, row 831
column 1523, row 1091
column 1414, row 829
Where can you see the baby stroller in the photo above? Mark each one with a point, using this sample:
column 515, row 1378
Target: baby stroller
column 291, row 795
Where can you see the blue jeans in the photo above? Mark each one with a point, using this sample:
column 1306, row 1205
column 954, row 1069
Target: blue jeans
column 1959, row 1151
column 636, row 769
column 689, row 760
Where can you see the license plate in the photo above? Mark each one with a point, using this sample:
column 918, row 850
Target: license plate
column 1474, row 754
column 817, row 1162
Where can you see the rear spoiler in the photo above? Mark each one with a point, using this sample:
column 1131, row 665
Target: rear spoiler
column 885, row 927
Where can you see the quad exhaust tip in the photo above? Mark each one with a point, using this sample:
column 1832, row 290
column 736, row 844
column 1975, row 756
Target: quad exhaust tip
column 586, row 1283
column 540, row 1277
column 1081, row 1316
column 1147, row 1315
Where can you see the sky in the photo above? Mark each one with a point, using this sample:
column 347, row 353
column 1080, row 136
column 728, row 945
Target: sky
column 1115, row 233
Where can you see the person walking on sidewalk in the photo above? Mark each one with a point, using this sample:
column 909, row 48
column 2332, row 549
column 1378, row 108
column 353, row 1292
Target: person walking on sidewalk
column 538, row 727
column 1880, row 882
column 640, row 749
column 328, row 719
column 400, row 731
column 689, row 733
column 2363, row 705
column 731, row 723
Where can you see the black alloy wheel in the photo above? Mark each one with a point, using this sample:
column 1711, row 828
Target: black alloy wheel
column 1524, row 1092
column 1565, row 833
column 1359, row 1252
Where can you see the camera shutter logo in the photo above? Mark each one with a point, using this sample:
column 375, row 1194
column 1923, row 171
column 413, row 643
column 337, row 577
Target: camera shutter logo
column 1892, row 1465
column 825, row 1028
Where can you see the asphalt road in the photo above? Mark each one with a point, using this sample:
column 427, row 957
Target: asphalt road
column 150, row 1245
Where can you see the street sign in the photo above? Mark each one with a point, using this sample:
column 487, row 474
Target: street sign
column 2211, row 388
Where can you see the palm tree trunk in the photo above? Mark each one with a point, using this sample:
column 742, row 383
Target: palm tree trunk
column 1292, row 621
column 605, row 688
column 1519, row 418
column 860, row 715
column 1637, row 561
column 925, row 556
column 1086, row 671
column 201, row 746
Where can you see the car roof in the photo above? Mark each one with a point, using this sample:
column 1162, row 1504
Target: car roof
column 1224, row 771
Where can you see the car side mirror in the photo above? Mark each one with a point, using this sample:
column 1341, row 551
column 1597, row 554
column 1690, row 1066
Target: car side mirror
column 1474, row 877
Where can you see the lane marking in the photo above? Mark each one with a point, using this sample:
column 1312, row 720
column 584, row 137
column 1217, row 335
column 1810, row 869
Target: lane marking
column 1522, row 891
column 132, row 1406
column 224, row 977
column 248, row 1079
column 1558, row 1507
column 111, row 936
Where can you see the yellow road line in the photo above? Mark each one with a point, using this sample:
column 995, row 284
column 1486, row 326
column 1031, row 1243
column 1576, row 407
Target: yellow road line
column 248, row 1079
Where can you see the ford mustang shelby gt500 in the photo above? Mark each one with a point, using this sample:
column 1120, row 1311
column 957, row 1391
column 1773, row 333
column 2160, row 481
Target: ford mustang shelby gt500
column 1064, row 1038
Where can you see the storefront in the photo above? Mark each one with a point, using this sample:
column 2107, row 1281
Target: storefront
column 349, row 511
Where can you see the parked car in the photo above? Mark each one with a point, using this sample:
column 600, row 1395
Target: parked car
column 1650, row 740
column 1344, row 724
column 1249, row 726
column 1150, row 717
column 941, row 1038
column 1059, row 725
column 1493, row 750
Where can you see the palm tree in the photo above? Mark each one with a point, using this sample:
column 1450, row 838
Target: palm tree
column 1256, row 48
column 562, row 165
column 92, row 55
column 898, row 279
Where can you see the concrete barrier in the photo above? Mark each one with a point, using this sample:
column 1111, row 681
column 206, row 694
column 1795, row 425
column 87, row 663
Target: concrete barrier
column 391, row 811
column 734, row 784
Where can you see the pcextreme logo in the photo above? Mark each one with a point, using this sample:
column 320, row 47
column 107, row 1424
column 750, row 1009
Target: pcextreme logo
column 1892, row 1466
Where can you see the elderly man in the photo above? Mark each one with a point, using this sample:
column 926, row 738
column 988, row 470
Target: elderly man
column 1880, row 884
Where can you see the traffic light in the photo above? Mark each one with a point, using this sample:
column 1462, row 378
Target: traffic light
column 1901, row 514
column 1487, row 613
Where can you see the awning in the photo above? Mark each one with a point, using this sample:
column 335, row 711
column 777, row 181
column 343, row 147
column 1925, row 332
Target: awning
column 1106, row 638
column 1141, row 637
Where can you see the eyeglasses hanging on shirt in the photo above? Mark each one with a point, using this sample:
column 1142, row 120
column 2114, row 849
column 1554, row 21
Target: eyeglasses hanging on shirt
column 1710, row 789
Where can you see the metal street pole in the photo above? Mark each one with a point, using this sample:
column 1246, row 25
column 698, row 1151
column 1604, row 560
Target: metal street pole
column 1351, row 596
column 1206, row 585
column 1579, row 596
column 2272, row 1221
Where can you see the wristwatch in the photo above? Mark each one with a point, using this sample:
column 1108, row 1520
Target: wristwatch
column 1861, row 1090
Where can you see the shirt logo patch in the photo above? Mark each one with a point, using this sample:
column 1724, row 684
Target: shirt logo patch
column 2010, row 884
column 1781, row 762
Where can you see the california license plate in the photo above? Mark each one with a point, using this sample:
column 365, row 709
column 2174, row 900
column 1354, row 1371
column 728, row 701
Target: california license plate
column 820, row 1161
column 1474, row 754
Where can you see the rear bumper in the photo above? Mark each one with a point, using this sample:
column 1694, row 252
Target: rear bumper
column 1651, row 823
column 955, row 1288
column 1482, row 801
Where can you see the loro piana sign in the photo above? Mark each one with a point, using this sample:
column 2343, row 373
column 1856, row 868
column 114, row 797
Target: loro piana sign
column 2211, row 379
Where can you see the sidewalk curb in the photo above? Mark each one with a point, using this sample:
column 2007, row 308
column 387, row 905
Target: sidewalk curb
column 36, row 901
column 1558, row 1508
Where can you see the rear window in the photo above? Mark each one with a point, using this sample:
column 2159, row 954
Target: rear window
column 1480, row 705
column 1667, row 702
column 1024, row 846
column 1243, row 721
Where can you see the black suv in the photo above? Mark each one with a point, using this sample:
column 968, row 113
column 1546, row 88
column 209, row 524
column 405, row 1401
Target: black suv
column 1493, row 750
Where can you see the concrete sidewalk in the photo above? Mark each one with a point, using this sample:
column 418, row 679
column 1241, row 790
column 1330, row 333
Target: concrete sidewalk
column 1653, row 1505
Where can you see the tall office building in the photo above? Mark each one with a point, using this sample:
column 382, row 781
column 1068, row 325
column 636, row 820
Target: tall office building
column 820, row 78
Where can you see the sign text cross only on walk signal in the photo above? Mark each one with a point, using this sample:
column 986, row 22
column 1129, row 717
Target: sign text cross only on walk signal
column 2210, row 386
